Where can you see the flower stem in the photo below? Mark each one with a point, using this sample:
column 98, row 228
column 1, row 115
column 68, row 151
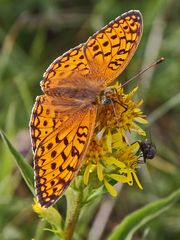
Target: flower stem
column 40, row 230
column 73, row 211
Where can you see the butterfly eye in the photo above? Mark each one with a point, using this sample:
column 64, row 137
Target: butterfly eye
column 106, row 97
column 105, row 100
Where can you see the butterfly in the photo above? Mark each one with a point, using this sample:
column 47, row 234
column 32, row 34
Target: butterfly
column 63, row 118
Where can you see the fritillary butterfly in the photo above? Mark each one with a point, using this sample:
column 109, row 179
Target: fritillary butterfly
column 63, row 118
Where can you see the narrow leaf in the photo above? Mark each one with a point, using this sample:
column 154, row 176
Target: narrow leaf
column 25, row 169
column 137, row 219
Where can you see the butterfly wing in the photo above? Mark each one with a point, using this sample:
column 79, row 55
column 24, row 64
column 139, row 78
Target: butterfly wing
column 47, row 115
column 71, row 65
column 109, row 50
column 102, row 58
column 59, row 153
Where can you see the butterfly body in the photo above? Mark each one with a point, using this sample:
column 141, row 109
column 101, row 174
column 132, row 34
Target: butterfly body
column 80, row 94
column 63, row 119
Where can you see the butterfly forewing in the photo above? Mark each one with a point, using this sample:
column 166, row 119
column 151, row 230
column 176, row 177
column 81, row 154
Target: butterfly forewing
column 103, row 57
column 70, row 64
column 110, row 50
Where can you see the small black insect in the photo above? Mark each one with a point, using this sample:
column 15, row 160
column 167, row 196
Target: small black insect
column 147, row 149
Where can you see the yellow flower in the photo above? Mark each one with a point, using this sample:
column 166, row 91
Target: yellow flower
column 123, row 112
column 94, row 157
column 111, row 157
column 127, row 155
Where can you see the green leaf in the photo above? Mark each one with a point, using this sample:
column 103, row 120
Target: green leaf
column 25, row 169
column 137, row 219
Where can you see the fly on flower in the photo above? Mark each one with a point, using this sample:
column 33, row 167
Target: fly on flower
column 64, row 118
column 147, row 149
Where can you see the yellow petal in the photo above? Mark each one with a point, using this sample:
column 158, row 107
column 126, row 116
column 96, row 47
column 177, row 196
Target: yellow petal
column 110, row 188
column 137, row 129
column 100, row 171
column 131, row 94
column 129, row 178
column 119, row 178
column 134, row 147
column 141, row 120
column 118, row 141
column 37, row 207
column 137, row 180
column 86, row 174
column 139, row 103
column 112, row 160
column 109, row 141
column 141, row 132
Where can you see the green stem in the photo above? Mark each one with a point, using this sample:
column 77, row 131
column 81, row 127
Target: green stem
column 40, row 230
column 74, row 208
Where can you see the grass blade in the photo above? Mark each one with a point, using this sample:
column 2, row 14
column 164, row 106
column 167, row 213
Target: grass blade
column 137, row 219
column 25, row 169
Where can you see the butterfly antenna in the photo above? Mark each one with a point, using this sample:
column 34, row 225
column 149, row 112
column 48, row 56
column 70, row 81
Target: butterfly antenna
column 160, row 60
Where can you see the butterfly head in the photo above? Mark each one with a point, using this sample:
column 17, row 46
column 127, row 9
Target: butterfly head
column 107, row 96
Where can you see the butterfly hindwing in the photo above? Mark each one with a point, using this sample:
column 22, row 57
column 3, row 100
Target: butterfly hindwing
column 59, row 156
column 45, row 118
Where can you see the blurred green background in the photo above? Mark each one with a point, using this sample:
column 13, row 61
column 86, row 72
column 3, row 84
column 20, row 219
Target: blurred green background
column 32, row 34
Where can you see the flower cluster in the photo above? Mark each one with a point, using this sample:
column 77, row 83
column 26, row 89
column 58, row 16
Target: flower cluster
column 111, row 155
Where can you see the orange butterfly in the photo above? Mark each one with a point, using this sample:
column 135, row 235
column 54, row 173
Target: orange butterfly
column 63, row 119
